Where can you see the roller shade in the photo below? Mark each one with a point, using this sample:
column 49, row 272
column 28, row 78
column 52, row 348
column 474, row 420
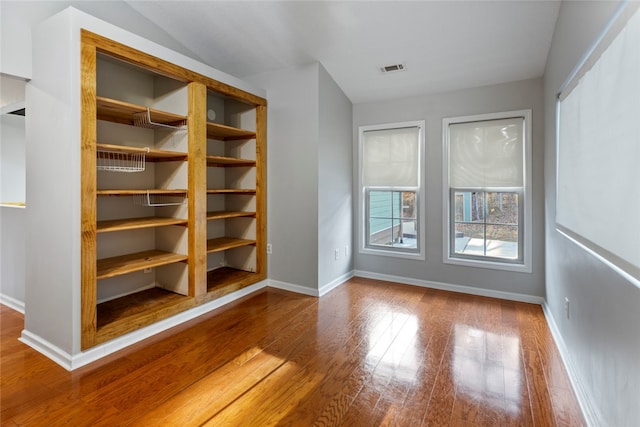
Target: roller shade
column 487, row 154
column 391, row 157
column 598, row 197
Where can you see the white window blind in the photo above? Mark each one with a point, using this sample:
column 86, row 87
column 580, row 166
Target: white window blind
column 486, row 154
column 391, row 157
column 598, row 165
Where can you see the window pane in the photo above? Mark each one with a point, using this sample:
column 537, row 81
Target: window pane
column 469, row 239
column 380, row 231
column 502, row 208
column 502, row 241
column 392, row 221
column 486, row 224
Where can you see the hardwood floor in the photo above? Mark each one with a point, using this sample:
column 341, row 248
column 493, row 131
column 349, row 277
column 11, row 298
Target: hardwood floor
column 369, row 353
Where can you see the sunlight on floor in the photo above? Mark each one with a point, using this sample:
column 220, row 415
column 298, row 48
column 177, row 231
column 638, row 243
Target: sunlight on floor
column 486, row 367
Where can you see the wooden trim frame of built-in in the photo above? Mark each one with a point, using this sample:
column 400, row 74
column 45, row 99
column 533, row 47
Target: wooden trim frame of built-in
column 93, row 333
column 88, row 188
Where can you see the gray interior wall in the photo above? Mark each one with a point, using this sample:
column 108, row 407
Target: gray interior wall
column 12, row 256
column 292, row 173
column 525, row 94
column 18, row 17
column 334, row 182
column 12, row 158
column 602, row 333
column 53, row 213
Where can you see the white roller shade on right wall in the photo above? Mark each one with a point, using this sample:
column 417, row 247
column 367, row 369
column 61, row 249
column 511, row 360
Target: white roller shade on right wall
column 598, row 163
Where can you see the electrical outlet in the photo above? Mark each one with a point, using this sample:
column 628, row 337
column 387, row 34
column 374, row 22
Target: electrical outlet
column 346, row 251
column 337, row 253
column 269, row 248
column 566, row 307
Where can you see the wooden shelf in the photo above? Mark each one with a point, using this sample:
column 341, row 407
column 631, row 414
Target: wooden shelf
column 225, row 280
column 230, row 191
column 139, row 192
column 228, row 161
column 151, row 154
column 130, row 312
column 116, row 266
column 137, row 223
column 223, row 243
column 228, row 214
column 227, row 133
column 123, row 112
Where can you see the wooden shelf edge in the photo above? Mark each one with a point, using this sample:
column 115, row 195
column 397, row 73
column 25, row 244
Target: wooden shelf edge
column 220, row 244
column 230, row 191
column 137, row 223
column 222, row 161
column 123, row 264
column 151, row 154
column 227, row 133
column 228, row 214
column 137, row 192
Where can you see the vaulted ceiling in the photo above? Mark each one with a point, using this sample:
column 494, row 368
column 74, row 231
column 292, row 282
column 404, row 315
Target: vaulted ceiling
column 444, row 45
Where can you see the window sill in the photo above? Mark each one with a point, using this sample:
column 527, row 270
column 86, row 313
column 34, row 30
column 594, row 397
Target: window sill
column 494, row 265
column 394, row 254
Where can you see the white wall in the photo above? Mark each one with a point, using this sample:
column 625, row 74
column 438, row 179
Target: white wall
column 601, row 336
column 12, row 190
column 12, row 257
column 12, row 158
column 18, row 17
column 433, row 108
column 335, row 219
column 12, row 218
column 309, row 178
column 292, row 173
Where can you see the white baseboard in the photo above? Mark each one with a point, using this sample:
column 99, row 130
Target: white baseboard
column 11, row 302
column 511, row 296
column 293, row 288
column 71, row 362
column 309, row 291
column 335, row 283
column 589, row 411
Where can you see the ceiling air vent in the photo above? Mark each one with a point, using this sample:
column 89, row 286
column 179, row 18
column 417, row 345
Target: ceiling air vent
column 392, row 68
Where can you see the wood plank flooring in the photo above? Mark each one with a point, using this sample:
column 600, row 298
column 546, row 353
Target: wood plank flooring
column 369, row 353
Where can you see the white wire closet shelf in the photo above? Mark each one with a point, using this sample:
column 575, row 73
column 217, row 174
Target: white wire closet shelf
column 143, row 119
column 160, row 199
column 119, row 161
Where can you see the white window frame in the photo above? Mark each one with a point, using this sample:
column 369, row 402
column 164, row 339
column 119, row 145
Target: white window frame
column 419, row 253
column 449, row 257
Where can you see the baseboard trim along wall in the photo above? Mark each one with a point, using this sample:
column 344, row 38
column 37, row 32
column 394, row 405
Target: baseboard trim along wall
column 589, row 411
column 12, row 303
column 511, row 296
column 71, row 362
column 293, row 288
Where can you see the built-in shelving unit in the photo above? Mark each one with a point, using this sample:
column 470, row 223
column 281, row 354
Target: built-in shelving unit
column 173, row 189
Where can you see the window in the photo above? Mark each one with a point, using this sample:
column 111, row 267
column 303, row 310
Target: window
column 487, row 206
column 391, row 164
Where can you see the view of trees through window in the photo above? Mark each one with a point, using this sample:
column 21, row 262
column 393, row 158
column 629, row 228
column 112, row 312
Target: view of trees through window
column 486, row 223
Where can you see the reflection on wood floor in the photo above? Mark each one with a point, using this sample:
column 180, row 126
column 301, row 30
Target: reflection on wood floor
column 368, row 353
